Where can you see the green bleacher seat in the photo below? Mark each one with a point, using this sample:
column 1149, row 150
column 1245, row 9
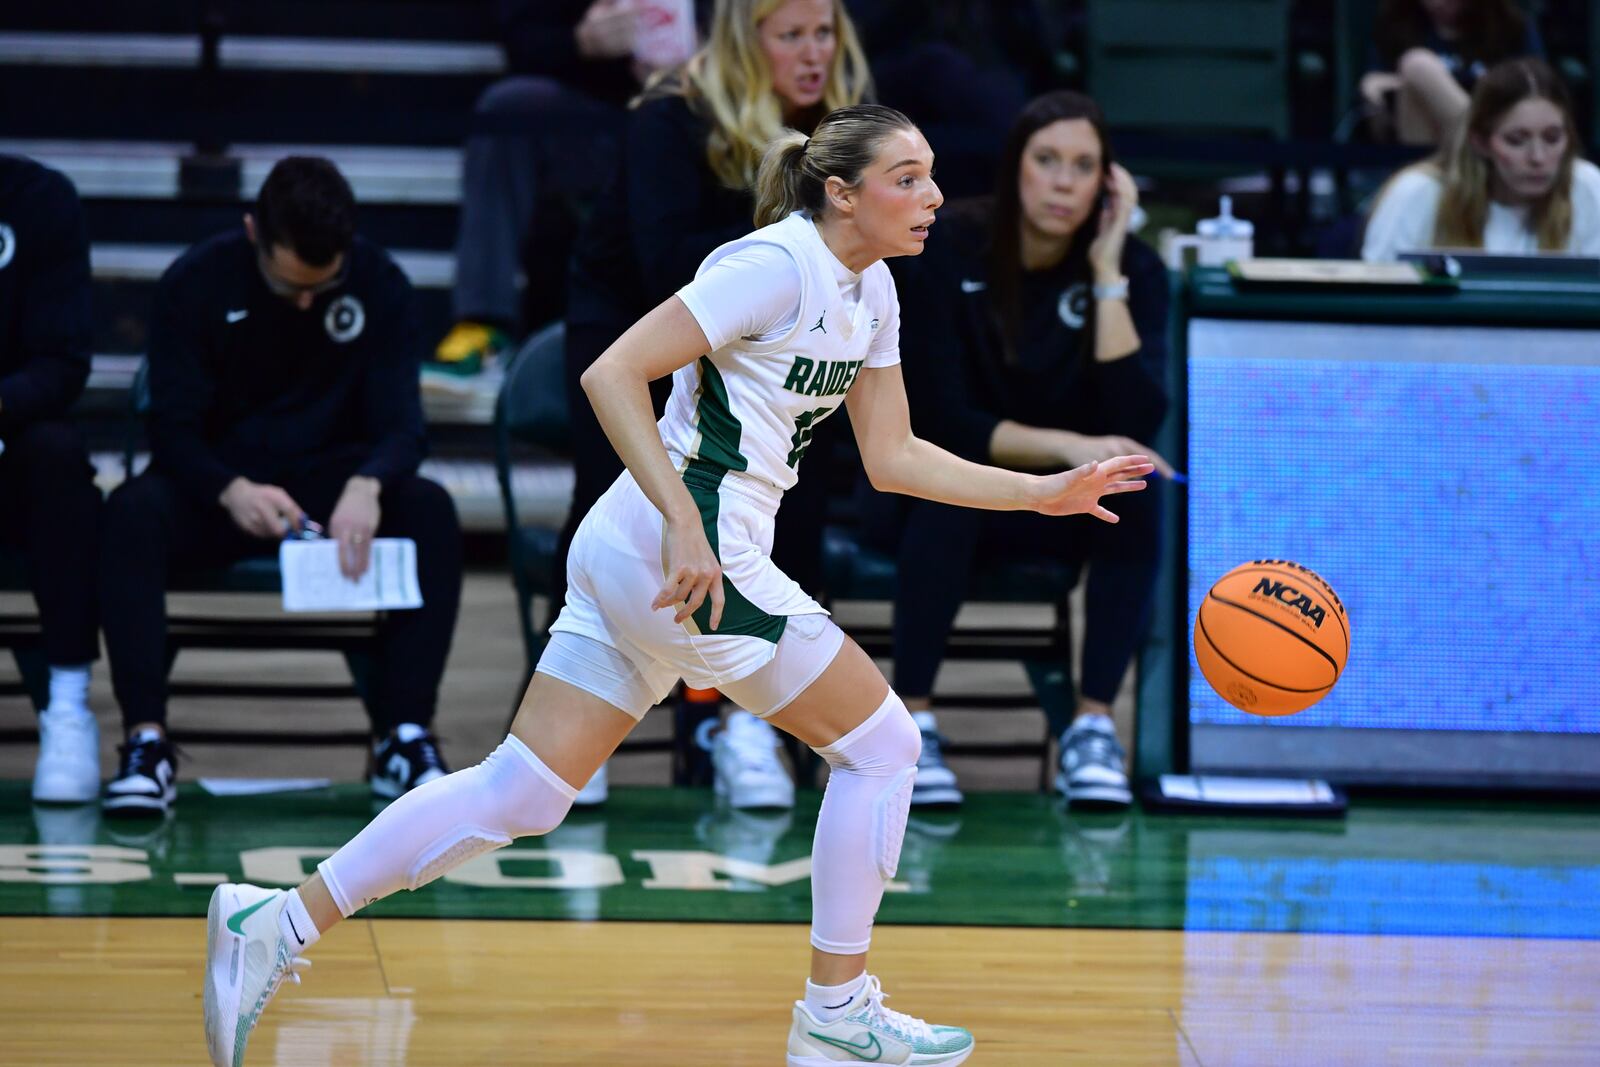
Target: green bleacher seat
column 531, row 410
column 1186, row 67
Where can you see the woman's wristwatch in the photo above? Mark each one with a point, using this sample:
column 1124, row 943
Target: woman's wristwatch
column 1117, row 290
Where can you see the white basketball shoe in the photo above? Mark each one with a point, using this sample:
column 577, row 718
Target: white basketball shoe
column 247, row 959
column 747, row 771
column 872, row 1033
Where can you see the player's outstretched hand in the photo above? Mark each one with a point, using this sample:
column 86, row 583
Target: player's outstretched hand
column 1078, row 491
column 693, row 574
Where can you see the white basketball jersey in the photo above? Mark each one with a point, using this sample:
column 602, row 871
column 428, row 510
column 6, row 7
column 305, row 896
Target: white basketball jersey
column 751, row 406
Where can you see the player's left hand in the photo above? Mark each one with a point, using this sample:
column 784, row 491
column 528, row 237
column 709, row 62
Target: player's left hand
column 1078, row 491
column 1122, row 196
column 353, row 524
column 693, row 573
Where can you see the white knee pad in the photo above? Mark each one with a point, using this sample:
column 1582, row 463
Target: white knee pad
column 884, row 749
column 450, row 851
column 523, row 797
column 443, row 824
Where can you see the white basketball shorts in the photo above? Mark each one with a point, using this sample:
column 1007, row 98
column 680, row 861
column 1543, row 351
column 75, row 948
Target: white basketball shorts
column 609, row 641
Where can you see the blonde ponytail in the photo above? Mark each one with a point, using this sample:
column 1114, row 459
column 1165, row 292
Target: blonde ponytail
column 779, row 180
column 795, row 170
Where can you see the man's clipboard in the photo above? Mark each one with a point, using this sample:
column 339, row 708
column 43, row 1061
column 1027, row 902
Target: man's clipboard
column 312, row 580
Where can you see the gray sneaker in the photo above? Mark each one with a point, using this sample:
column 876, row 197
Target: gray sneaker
column 935, row 785
column 1092, row 764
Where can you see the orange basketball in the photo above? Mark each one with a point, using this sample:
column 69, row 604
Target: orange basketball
column 1272, row 637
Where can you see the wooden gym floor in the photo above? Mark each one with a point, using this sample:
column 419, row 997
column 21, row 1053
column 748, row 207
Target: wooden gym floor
column 663, row 930
column 401, row 991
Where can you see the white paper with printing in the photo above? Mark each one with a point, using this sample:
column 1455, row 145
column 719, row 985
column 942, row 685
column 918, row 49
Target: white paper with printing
column 1218, row 789
column 251, row 787
column 312, row 580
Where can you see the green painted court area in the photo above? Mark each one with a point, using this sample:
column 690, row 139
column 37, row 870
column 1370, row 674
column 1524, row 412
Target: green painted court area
column 1005, row 859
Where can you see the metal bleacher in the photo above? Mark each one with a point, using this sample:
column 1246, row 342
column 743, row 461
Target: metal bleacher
column 167, row 117
column 168, row 114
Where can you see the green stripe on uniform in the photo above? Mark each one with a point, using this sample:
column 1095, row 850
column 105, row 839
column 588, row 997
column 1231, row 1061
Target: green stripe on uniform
column 714, row 418
column 718, row 453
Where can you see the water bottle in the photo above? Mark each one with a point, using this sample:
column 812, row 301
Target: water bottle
column 1216, row 241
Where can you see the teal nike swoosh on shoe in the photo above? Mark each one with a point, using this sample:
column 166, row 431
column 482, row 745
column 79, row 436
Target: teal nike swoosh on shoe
column 247, row 960
column 872, row 1051
column 873, row 1033
column 236, row 923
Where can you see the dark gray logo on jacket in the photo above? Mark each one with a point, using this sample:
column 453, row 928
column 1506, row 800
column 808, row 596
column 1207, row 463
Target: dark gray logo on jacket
column 345, row 319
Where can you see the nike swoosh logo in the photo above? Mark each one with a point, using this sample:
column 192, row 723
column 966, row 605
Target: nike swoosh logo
column 296, row 931
column 970, row 286
column 871, row 1051
column 236, row 316
column 236, row 923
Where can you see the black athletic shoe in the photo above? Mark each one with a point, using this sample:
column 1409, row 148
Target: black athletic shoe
column 935, row 785
column 404, row 760
column 147, row 780
column 1092, row 763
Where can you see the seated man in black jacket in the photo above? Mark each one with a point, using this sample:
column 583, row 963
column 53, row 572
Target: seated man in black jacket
column 49, row 506
column 283, row 387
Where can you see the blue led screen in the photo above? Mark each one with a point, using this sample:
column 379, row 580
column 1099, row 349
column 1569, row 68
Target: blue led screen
column 1445, row 480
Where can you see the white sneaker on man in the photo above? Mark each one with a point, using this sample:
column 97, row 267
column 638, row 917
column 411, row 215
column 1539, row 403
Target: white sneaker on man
column 872, row 1033
column 745, row 766
column 68, row 771
column 247, row 959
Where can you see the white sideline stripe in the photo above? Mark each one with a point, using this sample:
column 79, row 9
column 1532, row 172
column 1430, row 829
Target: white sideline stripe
column 182, row 50
column 199, row 878
column 146, row 263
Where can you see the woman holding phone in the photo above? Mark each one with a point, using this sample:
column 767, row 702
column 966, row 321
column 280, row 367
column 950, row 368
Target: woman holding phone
column 1040, row 331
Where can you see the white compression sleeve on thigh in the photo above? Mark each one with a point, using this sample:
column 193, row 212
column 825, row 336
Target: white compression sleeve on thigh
column 446, row 822
column 862, row 825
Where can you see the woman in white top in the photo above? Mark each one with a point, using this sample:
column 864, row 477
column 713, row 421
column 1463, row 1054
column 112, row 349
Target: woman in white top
column 670, row 576
column 1511, row 179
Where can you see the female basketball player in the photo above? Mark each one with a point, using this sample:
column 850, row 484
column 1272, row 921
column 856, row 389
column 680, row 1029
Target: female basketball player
column 685, row 184
column 670, row 577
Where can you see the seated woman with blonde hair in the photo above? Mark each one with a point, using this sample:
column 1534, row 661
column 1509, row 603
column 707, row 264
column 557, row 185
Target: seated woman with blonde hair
column 1512, row 178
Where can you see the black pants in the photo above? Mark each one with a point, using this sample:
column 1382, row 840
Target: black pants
column 151, row 530
column 536, row 146
column 939, row 546
column 50, row 509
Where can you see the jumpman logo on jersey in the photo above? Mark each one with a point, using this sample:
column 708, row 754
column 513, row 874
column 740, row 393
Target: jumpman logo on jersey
column 819, row 325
